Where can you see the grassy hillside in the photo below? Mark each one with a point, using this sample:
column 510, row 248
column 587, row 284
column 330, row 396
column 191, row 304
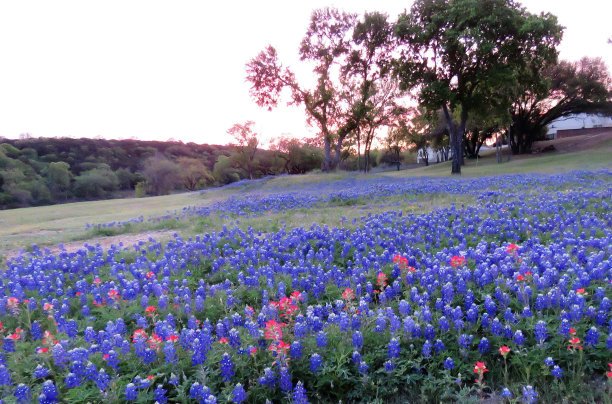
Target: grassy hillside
column 50, row 225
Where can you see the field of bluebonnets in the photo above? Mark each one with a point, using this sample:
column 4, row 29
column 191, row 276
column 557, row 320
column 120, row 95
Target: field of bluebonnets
column 504, row 299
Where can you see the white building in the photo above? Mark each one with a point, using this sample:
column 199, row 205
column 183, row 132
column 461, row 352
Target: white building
column 578, row 121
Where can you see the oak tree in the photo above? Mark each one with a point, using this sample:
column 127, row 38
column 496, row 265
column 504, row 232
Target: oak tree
column 456, row 52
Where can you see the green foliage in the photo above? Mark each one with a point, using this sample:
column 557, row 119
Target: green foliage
column 245, row 141
column 559, row 90
column 194, row 173
column 141, row 189
column 36, row 171
column 353, row 95
column 126, row 178
column 161, row 174
column 96, row 183
column 466, row 54
column 58, row 177
column 224, row 171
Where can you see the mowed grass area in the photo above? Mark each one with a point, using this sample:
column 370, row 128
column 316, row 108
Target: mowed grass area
column 51, row 225
column 600, row 156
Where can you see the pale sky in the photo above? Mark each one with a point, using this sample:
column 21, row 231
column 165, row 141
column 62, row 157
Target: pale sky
column 176, row 69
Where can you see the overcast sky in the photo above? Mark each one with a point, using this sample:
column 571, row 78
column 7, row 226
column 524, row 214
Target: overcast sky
column 176, row 69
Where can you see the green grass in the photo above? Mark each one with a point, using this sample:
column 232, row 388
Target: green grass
column 545, row 163
column 51, row 225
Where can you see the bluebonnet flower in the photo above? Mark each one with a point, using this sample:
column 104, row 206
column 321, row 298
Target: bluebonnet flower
column 299, row 394
column 519, row 339
column 8, row 345
column 321, row 339
column 449, row 363
column 5, row 376
column 160, row 394
column 465, row 340
column 227, row 367
column 170, row 352
column 238, row 394
column 72, row 380
column 506, row 393
column 549, row 361
column 426, row 350
column 496, row 327
column 174, row 380
column 268, row 379
column 564, row 328
column 389, row 366
column 315, row 362
column 285, row 379
column 36, row 331
column 356, row 357
column 131, row 392
column 357, row 340
column 363, row 368
column 201, row 393
column 443, row 324
column 483, row 345
column 381, row 322
column 557, row 372
column 102, row 380
column 592, row 337
column 22, row 393
column 529, row 395
column 393, row 348
column 48, row 393
column 541, row 333
column 41, row 372
column 295, row 351
column 439, row 346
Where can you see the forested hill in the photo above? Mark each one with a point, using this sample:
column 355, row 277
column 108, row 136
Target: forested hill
column 39, row 171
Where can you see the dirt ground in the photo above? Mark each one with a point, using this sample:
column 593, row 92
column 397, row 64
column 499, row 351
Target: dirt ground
column 575, row 143
column 105, row 242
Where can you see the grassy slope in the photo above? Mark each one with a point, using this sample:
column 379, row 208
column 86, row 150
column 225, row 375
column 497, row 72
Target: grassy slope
column 50, row 225
column 598, row 157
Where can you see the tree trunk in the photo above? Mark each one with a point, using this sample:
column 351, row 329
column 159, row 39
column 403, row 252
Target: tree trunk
column 498, row 149
column 338, row 150
column 327, row 162
column 509, row 141
column 397, row 159
column 455, row 143
column 358, row 150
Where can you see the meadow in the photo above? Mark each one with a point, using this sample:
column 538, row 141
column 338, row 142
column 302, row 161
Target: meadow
column 396, row 287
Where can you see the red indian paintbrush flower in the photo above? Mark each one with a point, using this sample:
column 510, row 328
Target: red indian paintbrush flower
column 457, row 261
column 480, row 368
column 504, row 350
column 348, row 294
column 512, row 248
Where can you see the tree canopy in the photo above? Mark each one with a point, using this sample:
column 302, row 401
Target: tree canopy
column 462, row 54
column 561, row 89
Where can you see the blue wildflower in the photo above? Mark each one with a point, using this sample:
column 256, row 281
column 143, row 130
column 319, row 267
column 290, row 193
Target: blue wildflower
column 227, row 367
column 315, row 363
column 299, row 394
column 238, row 395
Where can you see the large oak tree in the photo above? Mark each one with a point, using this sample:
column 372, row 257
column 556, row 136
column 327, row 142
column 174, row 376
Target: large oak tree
column 351, row 92
column 460, row 53
column 562, row 89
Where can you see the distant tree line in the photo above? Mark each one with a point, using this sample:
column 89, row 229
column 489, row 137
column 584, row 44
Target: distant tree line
column 41, row 171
